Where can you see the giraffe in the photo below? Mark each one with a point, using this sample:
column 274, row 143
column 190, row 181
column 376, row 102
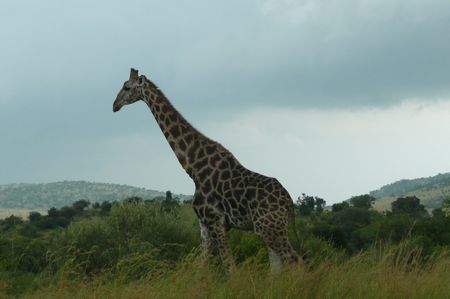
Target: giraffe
column 227, row 195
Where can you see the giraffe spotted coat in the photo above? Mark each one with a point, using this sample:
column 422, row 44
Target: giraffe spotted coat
column 227, row 195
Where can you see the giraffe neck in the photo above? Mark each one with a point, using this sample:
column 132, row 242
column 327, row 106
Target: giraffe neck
column 182, row 137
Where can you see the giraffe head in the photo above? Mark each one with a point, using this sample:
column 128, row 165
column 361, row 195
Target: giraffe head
column 131, row 91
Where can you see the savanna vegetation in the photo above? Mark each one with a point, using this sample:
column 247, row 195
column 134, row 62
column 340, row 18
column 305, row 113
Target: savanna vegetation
column 149, row 249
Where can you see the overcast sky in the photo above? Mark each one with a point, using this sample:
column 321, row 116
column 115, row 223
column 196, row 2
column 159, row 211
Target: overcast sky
column 334, row 98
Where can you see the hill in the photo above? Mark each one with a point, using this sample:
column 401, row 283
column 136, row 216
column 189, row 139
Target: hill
column 59, row 194
column 430, row 190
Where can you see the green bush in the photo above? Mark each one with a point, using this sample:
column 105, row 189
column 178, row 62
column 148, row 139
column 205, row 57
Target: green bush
column 101, row 244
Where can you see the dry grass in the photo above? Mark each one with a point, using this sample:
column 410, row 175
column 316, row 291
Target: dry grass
column 22, row 213
column 388, row 273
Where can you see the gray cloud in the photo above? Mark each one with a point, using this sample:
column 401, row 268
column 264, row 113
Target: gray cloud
column 63, row 62
column 306, row 52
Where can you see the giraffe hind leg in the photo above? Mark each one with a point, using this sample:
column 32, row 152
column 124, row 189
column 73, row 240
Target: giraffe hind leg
column 278, row 244
column 283, row 249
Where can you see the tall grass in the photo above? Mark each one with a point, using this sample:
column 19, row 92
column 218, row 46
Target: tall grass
column 382, row 272
column 143, row 251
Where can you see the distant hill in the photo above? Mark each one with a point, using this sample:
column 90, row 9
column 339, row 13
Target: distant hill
column 430, row 190
column 59, row 194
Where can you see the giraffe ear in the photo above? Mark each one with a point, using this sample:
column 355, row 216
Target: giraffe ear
column 134, row 74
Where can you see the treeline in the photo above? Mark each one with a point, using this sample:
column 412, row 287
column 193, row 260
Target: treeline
column 134, row 238
column 59, row 194
column 354, row 225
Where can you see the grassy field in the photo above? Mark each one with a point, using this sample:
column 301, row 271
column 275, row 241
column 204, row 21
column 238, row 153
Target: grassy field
column 396, row 272
column 430, row 198
column 142, row 250
column 384, row 204
column 22, row 213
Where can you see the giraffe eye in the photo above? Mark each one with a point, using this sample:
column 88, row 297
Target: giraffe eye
column 126, row 88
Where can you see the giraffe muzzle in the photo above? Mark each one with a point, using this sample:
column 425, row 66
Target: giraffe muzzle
column 116, row 108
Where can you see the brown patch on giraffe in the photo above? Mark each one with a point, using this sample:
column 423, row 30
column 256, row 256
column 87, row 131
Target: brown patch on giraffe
column 237, row 193
column 165, row 108
column 225, row 175
column 224, row 165
column 175, row 131
column 189, row 138
column 173, row 117
column 184, row 129
column 233, row 204
column 272, row 199
column 242, row 211
column 219, row 205
column 210, row 149
column 206, row 188
column 182, row 160
column 182, row 145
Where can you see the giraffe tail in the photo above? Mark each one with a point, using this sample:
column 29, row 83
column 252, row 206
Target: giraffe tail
column 294, row 228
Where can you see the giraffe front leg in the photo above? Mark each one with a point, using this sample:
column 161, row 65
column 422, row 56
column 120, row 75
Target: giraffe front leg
column 218, row 236
column 206, row 242
column 275, row 261
column 214, row 238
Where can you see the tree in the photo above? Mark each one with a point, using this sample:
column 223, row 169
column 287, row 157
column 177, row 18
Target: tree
column 408, row 205
column 80, row 205
column 133, row 200
column 307, row 204
column 67, row 212
column 339, row 206
column 168, row 196
column 170, row 204
column 53, row 213
column 320, row 204
column 438, row 212
column 105, row 206
column 446, row 203
column 10, row 222
column 362, row 201
column 34, row 216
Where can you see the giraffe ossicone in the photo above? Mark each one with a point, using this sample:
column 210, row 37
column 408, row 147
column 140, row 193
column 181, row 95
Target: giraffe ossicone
column 227, row 195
